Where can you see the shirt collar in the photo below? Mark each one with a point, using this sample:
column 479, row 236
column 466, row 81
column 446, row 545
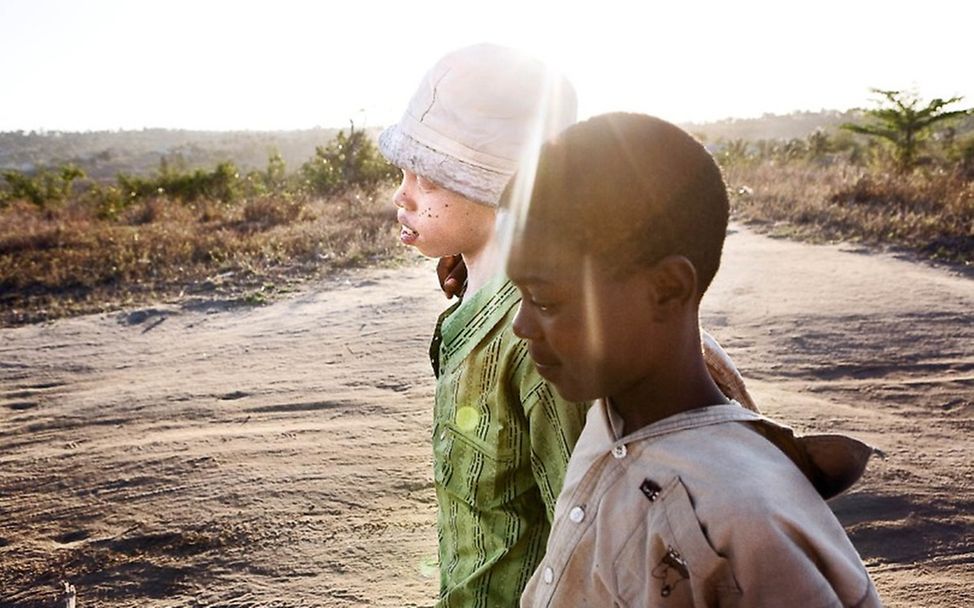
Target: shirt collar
column 465, row 326
column 702, row 416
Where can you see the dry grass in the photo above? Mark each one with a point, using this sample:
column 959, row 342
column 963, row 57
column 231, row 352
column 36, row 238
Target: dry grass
column 67, row 260
column 930, row 211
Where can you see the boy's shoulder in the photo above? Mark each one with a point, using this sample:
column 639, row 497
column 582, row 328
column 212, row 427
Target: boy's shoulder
column 731, row 467
column 758, row 461
column 730, row 456
column 758, row 498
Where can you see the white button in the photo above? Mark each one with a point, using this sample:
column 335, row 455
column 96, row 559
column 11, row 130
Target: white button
column 619, row 451
column 577, row 515
column 442, row 434
column 549, row 575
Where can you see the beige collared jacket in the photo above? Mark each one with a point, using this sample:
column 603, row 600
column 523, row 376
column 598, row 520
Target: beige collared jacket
column 713, row 507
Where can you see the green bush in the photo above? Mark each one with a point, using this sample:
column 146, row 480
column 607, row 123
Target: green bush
column 43, row 187
column 351, row 161
column 273, row 180
column 222, row 184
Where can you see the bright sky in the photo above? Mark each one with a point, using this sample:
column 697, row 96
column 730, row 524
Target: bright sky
column 286, row 64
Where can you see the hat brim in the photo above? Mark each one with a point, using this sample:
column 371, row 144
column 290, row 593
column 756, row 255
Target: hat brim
column 478, row 184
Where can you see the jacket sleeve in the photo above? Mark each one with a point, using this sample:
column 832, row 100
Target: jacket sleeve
column 554, row 425
column 724, row 372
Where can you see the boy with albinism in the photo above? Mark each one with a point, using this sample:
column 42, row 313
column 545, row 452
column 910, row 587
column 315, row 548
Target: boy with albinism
column 675, row 495
column 501, row 436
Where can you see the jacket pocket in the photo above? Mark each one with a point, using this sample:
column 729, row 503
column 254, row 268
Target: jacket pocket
column 669, row 561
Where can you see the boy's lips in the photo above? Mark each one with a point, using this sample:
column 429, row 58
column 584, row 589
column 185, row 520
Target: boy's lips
column 548, row 372
column 406, row 233
column 542, row 361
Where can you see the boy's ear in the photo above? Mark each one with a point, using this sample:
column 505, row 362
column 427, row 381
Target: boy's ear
column 674, row 285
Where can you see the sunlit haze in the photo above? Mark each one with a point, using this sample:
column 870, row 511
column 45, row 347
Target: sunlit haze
column 224, row 65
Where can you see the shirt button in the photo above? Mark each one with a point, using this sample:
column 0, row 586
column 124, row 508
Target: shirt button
column 620, row 451
column 548, row 575
column 577, row 515
column 442, row 434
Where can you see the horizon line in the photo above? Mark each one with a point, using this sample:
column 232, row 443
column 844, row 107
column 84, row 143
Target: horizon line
column 697, row 123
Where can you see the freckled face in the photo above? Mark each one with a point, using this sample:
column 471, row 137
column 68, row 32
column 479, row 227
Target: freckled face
column 439, row 222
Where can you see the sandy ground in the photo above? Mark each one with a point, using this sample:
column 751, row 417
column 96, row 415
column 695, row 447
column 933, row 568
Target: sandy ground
column 194, row 455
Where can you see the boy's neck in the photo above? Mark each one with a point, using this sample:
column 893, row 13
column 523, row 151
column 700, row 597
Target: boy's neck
column 481, row 267
column 681, row 382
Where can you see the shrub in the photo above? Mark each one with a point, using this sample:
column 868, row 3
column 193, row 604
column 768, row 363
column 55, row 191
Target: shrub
column 347, row 162
column 222, row 183
column 43, row 187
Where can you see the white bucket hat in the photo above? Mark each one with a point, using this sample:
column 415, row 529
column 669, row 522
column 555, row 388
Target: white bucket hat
column 475, row 116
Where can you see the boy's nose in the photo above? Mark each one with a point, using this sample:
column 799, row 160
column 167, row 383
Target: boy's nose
column 403, row 197
column 523, row 326
column 399, row 198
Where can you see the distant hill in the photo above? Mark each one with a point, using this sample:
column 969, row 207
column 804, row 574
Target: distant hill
column 788, row 126
column 773, row 126
column 104, row 154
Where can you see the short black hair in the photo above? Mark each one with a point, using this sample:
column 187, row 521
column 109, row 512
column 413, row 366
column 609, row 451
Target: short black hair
column 631, row 188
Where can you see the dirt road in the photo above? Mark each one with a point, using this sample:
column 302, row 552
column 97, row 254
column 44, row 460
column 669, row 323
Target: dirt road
column 199, row 455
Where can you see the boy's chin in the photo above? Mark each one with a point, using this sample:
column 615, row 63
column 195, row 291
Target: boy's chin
column 426, row 251
column 570, row 391
column 433, row 255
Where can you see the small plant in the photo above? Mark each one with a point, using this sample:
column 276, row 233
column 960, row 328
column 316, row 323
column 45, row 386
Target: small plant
column 275, row 178
column 733, row 152
column 962, row 153
column 818, row 145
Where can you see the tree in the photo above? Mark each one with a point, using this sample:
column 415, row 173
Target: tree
column 903, row 122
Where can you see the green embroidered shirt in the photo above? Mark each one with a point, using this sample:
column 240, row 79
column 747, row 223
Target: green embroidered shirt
column 501, row 442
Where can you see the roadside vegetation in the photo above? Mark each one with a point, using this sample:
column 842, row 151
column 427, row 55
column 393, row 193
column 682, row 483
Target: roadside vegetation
column 898, row 175
column 902, row 177
column 69, row 244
